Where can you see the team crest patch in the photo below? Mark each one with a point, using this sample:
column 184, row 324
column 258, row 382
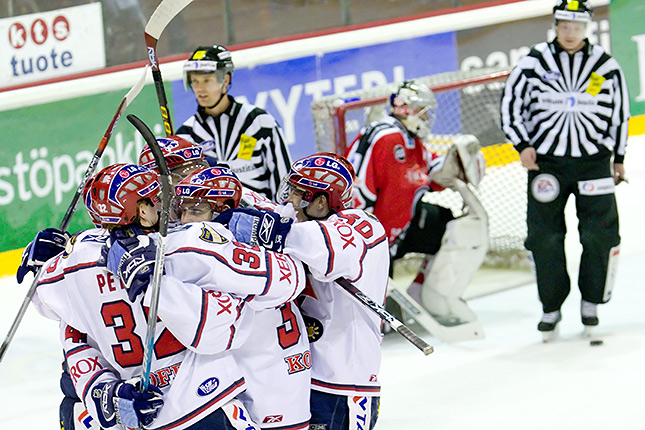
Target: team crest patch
column 314, row 328
column 545, row 188
column 399, row 153
column 211, row 236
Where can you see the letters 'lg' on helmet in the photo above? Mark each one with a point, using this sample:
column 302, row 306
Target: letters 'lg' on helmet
column 115, row 191
column 217, row 186
column 414, row 104
column 209, row 59
column 182, row 157
column 572, row 10
column 323, row 173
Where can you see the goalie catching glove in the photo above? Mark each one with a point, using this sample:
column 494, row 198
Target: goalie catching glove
column 46, row 244
column 255, row 227
column 122, row 402
column 132, row 261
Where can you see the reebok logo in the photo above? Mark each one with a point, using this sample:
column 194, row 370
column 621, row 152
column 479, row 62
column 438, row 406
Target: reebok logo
column 266, row 229
column 272, row 419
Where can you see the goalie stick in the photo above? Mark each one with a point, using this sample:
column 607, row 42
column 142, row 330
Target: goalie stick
column 166, row 195
column 89, row 172
column 159, row 19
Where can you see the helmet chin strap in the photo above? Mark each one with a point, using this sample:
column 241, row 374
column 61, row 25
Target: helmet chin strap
column 218, row 100
column 314, row 218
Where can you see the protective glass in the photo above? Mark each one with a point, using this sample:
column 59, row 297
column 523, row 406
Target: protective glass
column 286, row 189
column 195, row 208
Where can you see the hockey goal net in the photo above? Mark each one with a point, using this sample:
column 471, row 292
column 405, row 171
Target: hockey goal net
column 468, row 103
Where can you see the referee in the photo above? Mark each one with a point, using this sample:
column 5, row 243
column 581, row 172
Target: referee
column 565, row 107
column 245, row 137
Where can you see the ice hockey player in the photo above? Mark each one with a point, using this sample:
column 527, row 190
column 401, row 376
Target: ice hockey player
column 394, row 170
column 103, row 328
column 333, row 241
column 274, row 356
column 182, row 157
column 245, row 137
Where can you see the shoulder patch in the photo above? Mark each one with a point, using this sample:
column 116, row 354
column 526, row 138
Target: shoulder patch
column 314, row 328
column 211, row 236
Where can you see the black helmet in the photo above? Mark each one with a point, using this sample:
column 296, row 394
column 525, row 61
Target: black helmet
column 209, row 59
column 572, row 10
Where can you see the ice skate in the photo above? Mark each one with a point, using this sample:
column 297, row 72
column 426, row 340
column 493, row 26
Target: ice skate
column 589, row 317
column 549, row 325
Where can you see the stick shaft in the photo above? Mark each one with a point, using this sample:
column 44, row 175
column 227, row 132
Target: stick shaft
column 396, row 325
column 89, row 172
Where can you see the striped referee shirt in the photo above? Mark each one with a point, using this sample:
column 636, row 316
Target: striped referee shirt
column 248, row 139
column 566, row 105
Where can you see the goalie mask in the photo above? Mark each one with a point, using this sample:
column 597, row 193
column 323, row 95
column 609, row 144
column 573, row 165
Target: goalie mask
column 209, row 59
column 572, row 10
column 210, row 188
column 414, row 105
column 115, row 191
column 182, row 156
column 323, row 173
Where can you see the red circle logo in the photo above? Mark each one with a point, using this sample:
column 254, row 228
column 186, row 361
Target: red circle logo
column 319, row 161
column 60, row 28
column 39, row 32
column 124, row 173
column 17, row 35
column 216, row 172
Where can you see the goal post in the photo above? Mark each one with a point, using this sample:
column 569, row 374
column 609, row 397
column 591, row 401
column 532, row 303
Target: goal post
column 468, row 103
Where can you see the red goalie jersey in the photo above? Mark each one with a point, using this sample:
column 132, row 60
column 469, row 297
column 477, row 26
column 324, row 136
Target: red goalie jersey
column 391, row 173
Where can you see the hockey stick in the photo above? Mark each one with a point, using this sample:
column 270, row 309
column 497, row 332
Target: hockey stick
column 134, row 91
column 160, row 18
column 166, row 195
column 396, row 325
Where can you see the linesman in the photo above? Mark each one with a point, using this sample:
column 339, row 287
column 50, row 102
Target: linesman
column 565, row 108
column 244, row 136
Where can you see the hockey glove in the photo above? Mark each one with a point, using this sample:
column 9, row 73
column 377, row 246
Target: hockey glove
column 122, row 402
column 257, row 227
column 46, row 244
column 132, row 260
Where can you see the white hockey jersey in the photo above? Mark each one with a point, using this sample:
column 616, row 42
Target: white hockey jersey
column 103, row 336
column 274, row 356
column 346, row 344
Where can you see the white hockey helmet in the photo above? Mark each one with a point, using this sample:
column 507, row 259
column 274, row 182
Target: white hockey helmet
column 414, row 105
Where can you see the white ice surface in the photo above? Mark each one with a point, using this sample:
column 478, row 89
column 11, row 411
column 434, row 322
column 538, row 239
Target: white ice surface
column 509, row 380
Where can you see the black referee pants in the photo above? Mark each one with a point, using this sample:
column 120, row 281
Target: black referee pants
column 597, row 225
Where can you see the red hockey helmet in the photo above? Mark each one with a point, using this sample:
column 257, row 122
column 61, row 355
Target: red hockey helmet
column 181, row 155
column 217, row 186
column 87, row 197
column 115, row 191
column 323, row 173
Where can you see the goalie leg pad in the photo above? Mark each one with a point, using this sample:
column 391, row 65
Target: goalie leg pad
column 462, row 252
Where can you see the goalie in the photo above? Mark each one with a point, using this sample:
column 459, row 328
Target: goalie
column 394, row 170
